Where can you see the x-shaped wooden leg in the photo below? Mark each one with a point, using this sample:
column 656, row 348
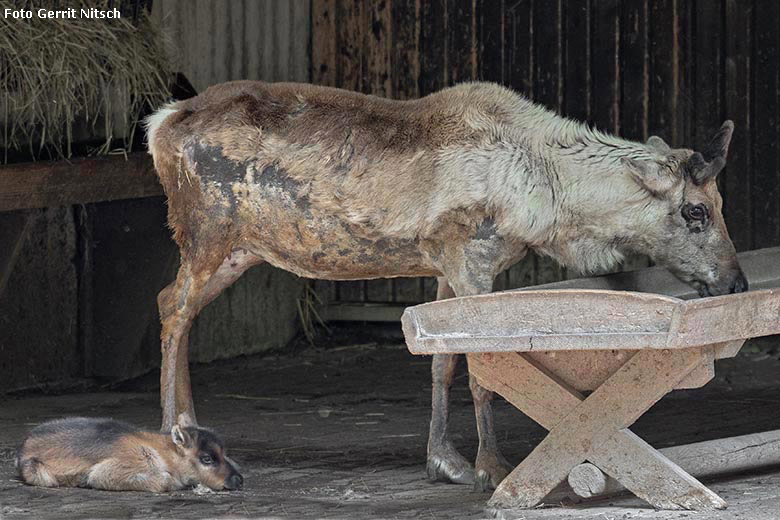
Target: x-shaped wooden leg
column 594, row 428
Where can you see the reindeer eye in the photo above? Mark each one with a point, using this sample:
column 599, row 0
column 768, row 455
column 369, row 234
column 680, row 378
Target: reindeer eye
column 206, row 460
column 697, row 212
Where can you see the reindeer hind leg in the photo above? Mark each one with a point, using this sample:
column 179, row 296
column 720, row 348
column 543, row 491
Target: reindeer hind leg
column 179, row 304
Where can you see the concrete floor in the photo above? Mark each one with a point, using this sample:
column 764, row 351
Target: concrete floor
column 341, row 433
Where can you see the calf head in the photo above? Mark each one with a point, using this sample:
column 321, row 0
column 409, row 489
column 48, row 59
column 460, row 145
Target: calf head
column 685, row 230
column 202, row 457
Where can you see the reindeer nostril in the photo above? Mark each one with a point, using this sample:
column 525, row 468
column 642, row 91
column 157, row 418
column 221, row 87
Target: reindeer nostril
column 235, row 481
column 740, row 283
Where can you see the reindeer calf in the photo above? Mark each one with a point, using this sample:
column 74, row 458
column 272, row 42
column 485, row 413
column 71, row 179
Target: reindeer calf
column 107, row 454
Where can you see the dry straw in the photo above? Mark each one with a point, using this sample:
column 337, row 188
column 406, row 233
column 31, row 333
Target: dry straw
column 60, row 78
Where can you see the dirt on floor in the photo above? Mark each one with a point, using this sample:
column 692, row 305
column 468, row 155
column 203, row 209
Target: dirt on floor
column 341, row 433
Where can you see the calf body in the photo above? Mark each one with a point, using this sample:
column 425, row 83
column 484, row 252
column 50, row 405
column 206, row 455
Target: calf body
column 335, row 185
column 112, row 455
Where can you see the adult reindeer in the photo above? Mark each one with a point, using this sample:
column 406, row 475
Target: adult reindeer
column 460, row 184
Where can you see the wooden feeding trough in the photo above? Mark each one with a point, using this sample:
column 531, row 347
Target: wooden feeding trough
column 542, row 348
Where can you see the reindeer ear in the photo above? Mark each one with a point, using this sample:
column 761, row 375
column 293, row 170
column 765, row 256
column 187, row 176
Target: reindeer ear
column 700, row 170
column 184, row 420
column 180, row 437
column 719, row 146
column 658, row 145
column 648, row 175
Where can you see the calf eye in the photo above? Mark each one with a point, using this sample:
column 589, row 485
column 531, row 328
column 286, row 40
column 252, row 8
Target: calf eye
column 206, row 460
column 695, row 212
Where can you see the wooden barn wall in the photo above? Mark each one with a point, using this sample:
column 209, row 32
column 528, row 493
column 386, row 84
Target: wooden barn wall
column 218, row 40
column 673, row 68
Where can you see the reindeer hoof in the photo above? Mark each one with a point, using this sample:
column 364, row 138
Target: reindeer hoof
column 447, row 465
column 490, row 474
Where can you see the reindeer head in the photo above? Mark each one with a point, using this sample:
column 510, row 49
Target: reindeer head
column 685, row 230
column 202, row 457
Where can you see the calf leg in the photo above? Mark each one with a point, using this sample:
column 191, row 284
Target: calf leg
column 444, row 461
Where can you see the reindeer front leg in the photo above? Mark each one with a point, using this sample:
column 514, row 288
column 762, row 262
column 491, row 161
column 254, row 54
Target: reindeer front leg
column 473, row 274
column 444, row 461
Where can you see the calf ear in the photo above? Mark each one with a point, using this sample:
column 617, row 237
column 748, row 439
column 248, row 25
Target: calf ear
column 180, row 437
column 648, row 175
column 184, row 420
column 719, row 146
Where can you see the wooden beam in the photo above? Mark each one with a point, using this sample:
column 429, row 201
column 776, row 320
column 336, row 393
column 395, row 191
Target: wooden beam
column 77, row 181
column 701, row 459
column 361, row 312
column 14, row 229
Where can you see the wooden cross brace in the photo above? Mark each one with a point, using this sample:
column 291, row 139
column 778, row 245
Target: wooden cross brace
column 594, row 428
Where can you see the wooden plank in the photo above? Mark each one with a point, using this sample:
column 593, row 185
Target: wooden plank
column 461, row 35
column 323, row 32
column 491, row 41
column 378, row 48
column 635, row 73
column 433, row 44
column 510, row 321
column 700, row 459
column 405, row 38
column 708, row 47
column 78, row 181
column 380, row 290
column 14, row 228
column 300, row 41
column 519, row 45
column 587, row 369
column 577, row 60
column 664, row 85
column 544, row 398
column 737, row 184
column 594, row 428
column 727, row 318
column 605, row 66
column 362, row 312
column 766, row 90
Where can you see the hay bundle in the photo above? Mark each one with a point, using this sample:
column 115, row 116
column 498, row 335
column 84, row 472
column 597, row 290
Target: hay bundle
column 63, row 77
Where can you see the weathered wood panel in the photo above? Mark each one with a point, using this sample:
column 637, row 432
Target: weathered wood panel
column 215, row 41
column 634, row 67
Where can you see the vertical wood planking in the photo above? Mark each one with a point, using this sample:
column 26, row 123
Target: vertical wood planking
column 664, row 86
column 708, row 47
column 635, row 74
column 378, row 42
column 519, row 45
column 737, row 185
column 605, row 70
column 766, row 89
column 491, row 41
column 324, row 46
column 577, row 60
column 433, row 45
column 405, row 45
column 461, row 51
